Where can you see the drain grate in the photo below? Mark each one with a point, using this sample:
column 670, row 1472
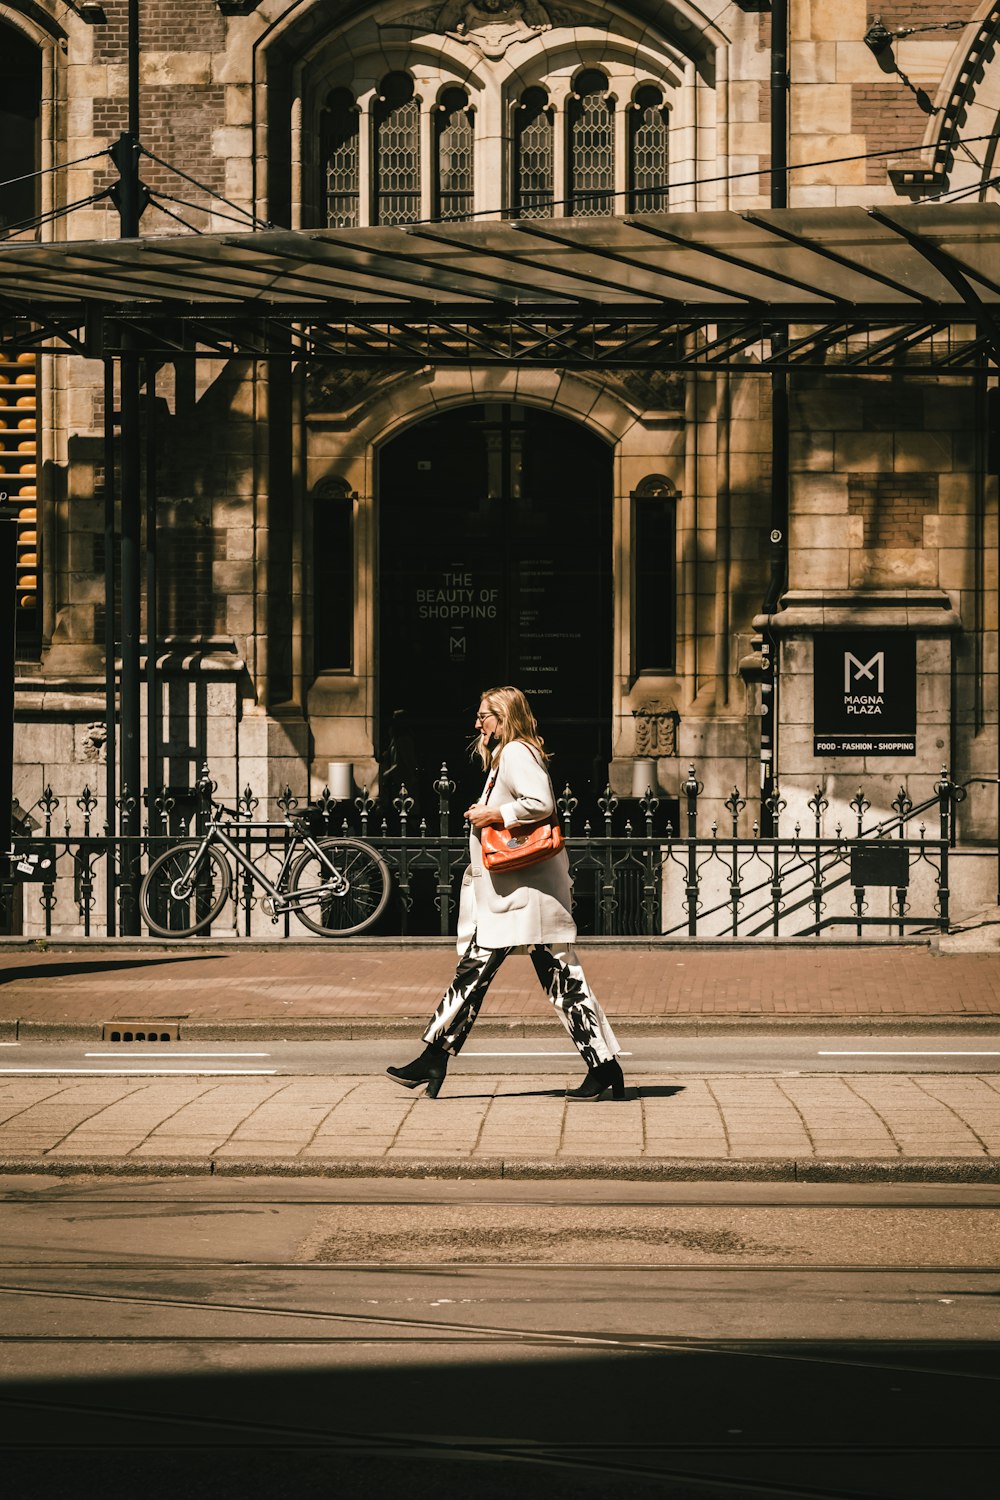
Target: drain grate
column 140, row 1031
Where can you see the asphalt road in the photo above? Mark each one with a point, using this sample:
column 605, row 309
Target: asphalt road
column 668, row 1055
column 254, row 1338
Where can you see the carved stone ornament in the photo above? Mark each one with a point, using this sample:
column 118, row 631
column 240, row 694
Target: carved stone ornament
column 656, row 728
column 334, row 487
column 651, row 390
column 340, row 388
column 655, row 487
column 492, row 27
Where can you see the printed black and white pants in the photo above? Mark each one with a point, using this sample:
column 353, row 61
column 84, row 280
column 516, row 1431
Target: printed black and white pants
column 560, row 976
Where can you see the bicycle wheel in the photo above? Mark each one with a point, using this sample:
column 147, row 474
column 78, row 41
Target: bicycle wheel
column 176, row 900
column 320, row 906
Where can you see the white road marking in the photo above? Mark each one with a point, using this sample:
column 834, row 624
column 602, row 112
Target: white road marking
column 572, row 1055
column 181, row 1056
column 908, row 1054
column 147, row 1072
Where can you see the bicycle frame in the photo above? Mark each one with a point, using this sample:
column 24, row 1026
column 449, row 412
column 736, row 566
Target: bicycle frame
column 282, row 900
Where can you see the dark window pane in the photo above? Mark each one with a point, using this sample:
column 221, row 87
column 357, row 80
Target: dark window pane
column 454, row 156
column 648, row 151
column 533, row 156
column 20, row 104
column 591, row 147
column 333, row 584
column 396, row 152
column 339, row 146
column 654, row 584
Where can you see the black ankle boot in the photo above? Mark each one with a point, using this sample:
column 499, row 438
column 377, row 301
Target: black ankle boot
column 430, row 1068
column 606, row 1078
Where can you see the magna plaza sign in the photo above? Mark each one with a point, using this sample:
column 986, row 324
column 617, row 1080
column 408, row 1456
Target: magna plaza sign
column 865, row 694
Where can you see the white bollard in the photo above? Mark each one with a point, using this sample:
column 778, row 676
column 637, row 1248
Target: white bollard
column 340, row 780
column 644, row 777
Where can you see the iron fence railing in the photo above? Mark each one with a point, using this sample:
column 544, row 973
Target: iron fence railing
column 634, row 872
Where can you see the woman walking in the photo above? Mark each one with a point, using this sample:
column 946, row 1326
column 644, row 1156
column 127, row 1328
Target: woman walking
column 527, row 909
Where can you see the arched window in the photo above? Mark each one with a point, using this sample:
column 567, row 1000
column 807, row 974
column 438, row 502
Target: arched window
column 648, row 158
column 453, row 156
column 591, row 163
column 396, row 152
column 533, row 156
column 339, row 146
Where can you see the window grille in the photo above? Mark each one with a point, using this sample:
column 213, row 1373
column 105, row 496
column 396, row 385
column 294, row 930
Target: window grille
column 396, row 152
column 648, row 151
column 454, row 186
column 339, row 145
column 591, row 147
column 533, row 156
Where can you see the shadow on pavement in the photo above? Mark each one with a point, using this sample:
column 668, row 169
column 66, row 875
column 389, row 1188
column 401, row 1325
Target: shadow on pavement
column 832, row 1421
column 94, row 966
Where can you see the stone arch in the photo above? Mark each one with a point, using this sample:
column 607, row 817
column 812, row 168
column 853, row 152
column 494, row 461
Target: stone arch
column 410, row 399
column 292, row 39
column 967, row 106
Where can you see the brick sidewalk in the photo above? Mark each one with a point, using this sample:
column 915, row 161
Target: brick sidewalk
column 861, row 1127
column 289, row 982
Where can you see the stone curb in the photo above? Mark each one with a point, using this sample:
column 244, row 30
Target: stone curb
column 661, row 1169
column 366, row 1028
column 394, row 944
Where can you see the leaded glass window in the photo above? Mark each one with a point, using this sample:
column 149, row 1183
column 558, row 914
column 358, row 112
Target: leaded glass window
column 591, row 162
column 339, row 138
column 648, row 151
column 396, row 152
column 533, row 156
column 454, row 184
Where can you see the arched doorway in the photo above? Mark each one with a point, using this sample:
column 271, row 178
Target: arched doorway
column 495, row 567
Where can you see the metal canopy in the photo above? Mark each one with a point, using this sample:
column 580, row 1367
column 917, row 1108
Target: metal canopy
column 849, row 288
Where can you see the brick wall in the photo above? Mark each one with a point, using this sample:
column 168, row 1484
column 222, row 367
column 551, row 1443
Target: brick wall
column 176, row 125
column 893, row 113
column 177, row 118
column 164, row 26
column 893, row 506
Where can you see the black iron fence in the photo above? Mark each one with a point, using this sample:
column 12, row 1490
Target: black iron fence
column 641, row 867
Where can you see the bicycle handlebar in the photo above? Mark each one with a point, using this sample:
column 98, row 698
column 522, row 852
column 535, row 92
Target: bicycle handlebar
column 219, row 809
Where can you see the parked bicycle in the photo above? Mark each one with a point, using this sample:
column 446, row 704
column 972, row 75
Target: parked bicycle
column 335, row 886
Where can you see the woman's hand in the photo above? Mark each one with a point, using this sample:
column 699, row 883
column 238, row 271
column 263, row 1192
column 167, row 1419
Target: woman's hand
column 481, row 816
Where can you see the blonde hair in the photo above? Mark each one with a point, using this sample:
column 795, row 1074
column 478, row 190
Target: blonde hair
column 515, row 721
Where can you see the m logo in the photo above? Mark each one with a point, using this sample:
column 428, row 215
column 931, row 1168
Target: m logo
column 855, row 670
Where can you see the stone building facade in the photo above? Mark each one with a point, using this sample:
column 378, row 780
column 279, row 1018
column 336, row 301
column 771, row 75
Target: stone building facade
column 317, row 524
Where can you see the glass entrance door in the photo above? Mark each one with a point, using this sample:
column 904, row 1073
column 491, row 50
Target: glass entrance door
column 495, row 567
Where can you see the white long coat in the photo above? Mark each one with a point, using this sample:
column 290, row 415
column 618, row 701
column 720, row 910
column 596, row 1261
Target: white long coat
column 529, row 906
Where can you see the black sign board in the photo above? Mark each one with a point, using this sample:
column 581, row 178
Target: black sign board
column 865, row 694
column 34, row 862
column 880, row 863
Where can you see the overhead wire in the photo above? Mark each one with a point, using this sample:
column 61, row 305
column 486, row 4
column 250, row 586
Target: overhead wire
column 198, row 207
column 59, row 167
column 610, row 196
column 803, row 166
column 202, row 187
column 154, row 202
column 51, row 215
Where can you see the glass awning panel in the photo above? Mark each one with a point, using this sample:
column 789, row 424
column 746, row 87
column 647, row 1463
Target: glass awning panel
column 791, row 263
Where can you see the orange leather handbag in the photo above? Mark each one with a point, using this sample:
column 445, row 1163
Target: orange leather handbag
column 506, row 850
